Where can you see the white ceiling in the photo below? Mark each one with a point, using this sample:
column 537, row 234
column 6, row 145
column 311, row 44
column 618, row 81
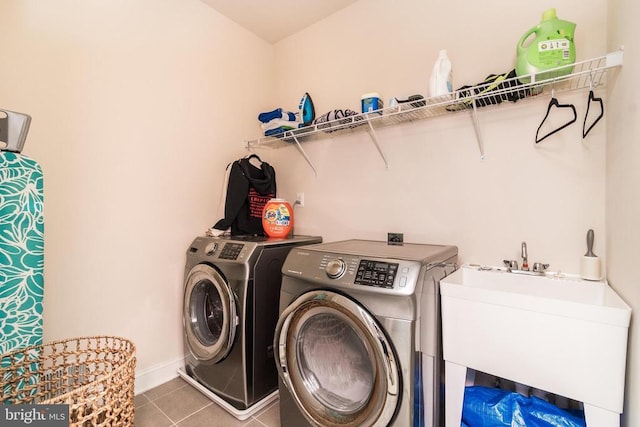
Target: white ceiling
column 274, row 20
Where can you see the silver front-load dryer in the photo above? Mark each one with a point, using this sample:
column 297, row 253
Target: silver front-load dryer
column 357, row 340
column 230, row 309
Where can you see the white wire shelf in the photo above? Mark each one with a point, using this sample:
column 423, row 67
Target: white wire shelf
column 589, row 74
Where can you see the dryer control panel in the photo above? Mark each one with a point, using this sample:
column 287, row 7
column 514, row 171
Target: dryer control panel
column 220, row 250
column 371, row 274
column 231, row 251
column 376, row 273
column 365, row 265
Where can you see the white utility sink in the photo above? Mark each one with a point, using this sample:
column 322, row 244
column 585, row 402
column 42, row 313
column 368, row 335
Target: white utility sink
column 557, row 333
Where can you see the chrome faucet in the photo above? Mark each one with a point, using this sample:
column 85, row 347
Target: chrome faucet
column 512, row 265
column 525, row 262
column 539, row 267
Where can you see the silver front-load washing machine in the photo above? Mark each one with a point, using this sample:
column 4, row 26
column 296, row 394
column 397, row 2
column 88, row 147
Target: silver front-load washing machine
column 357, row 340
column 230, row 309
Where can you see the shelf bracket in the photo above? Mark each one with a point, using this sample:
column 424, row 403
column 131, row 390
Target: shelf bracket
column 304, row 154
column 614, row 59
column 374, row 138
column 476, row 128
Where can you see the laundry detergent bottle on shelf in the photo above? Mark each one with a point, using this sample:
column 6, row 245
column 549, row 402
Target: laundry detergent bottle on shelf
column 277, row 218
column 552, row 47
column 440, row 79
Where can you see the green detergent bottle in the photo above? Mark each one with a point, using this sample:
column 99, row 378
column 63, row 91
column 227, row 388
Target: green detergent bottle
column 552, row 47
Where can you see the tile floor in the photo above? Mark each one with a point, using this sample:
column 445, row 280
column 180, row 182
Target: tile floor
column 177, row 404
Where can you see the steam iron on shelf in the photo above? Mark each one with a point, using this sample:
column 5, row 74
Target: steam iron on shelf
column 307, row 112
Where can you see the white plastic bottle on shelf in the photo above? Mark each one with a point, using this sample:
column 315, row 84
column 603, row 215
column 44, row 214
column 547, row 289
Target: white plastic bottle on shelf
column 440, row 80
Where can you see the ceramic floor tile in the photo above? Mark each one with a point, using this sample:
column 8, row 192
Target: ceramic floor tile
column 178, row 404
column 165, row 388
column 214, row 416
column 150, row 416
column 270, row 417
column 182, row 402
column 140, row 400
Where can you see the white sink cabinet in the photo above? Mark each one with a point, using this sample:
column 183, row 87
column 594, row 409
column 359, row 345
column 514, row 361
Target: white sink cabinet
column 561, row 334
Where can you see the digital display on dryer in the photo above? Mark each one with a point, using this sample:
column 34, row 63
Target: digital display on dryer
column 376, row 273
column 231, row 251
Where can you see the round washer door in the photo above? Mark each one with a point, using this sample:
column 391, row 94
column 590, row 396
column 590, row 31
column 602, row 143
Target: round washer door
column 337, row 362
column 209, row 314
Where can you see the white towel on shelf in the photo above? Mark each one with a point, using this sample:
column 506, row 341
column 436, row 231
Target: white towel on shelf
column 276, row 123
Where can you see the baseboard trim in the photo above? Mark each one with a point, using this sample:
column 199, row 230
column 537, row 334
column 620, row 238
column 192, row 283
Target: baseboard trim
column 156, row 375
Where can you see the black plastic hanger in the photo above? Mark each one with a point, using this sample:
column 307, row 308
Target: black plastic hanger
column 592, row 98
column 554, row 103
column 253, row 156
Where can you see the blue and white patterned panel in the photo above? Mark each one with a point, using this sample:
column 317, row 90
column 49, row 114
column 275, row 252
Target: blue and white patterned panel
column 21, row 251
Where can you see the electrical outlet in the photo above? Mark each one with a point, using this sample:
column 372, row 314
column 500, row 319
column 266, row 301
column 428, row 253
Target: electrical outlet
column 300, row 199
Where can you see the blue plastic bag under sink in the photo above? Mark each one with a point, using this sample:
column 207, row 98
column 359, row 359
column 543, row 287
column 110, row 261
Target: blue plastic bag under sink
column 493, row 407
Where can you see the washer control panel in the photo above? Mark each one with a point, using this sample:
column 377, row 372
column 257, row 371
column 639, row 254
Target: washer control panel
column 231, row 251
column 376, row 273
column 335, row 268
column 365, row 267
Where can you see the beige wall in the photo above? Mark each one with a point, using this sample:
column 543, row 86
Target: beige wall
column 437, row 189
column 623, row 192
column 137, row 106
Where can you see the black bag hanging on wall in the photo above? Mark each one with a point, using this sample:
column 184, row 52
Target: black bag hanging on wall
column 250, row 188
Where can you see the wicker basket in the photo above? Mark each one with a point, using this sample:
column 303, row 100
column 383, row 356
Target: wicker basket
column 93, row 375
